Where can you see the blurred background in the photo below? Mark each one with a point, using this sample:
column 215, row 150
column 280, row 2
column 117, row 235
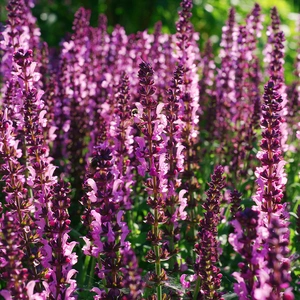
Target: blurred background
column 55, row 17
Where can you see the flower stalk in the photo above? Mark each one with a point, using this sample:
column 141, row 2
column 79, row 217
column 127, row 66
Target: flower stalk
column 151, row 154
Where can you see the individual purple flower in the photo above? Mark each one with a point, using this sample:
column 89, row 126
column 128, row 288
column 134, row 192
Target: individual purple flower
column 185, row 284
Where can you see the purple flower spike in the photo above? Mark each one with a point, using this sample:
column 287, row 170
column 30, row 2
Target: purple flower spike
column 17, row 235
column 279, row 278
column 121, row 132
column 274, row 56
column 246, row 241
column 106, row 238
column 236, row 199
column 263, row 238
column 175, row 202
column 207, row 249
column 152, row 157
column 188, row 57
column 11, row 255
column 76, row 96
column 271, row 181
column 207, row 90
column 60, row 255
column 271, row 176
column 20, row 31
column 132, row 275
column 226, row 76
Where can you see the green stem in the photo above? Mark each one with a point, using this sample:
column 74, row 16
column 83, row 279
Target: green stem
column 155, row 195
column 157, row 255
column 129, row 218
column 104, row 280
column 159, row 292
column 158, row 272
column 172, row 245
column 92, row 272
column 197, row 288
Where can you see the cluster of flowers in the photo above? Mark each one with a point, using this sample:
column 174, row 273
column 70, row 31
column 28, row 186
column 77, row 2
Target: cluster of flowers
column 127, row 121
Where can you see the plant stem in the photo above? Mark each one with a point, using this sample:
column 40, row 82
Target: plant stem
column 197, row 288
